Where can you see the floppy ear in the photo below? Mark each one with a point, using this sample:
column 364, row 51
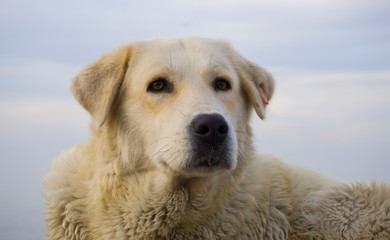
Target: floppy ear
column 258, row 85
column 98, row 84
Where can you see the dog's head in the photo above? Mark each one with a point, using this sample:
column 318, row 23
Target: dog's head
column 178, row 105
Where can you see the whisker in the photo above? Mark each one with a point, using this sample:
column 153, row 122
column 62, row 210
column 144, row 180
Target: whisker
column 244, row 142
column 160, row 151
column 240, row 132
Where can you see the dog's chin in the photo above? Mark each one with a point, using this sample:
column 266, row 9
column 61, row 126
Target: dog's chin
column 206, row 166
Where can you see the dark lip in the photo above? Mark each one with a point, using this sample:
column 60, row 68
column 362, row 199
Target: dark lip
column 208, row 162
column 195, row 171
column 208, row 157
column 204, row 159
column 211, row 159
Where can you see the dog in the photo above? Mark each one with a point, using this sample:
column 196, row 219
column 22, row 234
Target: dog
column 171, row 157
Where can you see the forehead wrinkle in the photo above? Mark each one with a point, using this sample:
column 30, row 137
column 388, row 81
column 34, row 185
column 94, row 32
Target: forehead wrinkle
column 206, row 66
column 221, row 67
column 167, row 59
column 181, row 59
column 199, row 58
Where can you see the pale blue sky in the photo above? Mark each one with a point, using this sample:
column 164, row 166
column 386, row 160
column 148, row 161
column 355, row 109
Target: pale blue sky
column 330, row 60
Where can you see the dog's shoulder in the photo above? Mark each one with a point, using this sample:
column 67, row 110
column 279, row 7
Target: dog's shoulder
column 321, row 207
column 66, row 194
column 64, row 168
column 265, row 168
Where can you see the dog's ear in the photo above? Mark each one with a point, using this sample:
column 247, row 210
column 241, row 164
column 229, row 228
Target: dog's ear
column 98, row 84
column 258, row 84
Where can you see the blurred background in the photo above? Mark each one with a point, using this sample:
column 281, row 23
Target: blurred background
column 330, row 60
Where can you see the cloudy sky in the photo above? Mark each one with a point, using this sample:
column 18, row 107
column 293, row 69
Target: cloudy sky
column 330, row 59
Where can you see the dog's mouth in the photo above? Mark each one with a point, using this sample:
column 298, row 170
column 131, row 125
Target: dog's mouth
column 208, row 162
column 208, row 158
column 203, row 161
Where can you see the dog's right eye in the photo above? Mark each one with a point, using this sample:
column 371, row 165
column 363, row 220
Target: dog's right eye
column 159, row 85
column 221, row 84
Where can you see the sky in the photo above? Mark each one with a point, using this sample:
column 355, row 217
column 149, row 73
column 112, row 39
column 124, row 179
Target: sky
column 330, row 60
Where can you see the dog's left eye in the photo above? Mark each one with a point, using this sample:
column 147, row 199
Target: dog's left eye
column 221, row 84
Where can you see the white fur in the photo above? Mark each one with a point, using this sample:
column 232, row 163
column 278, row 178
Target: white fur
column 132, row 179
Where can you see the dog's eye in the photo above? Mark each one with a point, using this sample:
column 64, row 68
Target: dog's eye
column 221, row 84
column 158, row 85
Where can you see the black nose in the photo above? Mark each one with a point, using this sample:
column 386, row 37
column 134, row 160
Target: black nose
column 210, row 128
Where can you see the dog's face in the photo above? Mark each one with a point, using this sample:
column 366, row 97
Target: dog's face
column 182, row 105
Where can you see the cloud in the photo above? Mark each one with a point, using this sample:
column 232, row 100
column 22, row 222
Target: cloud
column 99, row 26
column 334, row 100
column 45, row 113
column 326, row 95
column 32, row 76
column 330, row 122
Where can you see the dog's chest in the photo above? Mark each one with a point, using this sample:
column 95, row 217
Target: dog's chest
column 238, row 217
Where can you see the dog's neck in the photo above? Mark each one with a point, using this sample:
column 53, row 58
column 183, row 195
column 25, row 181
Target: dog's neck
column 164, row 203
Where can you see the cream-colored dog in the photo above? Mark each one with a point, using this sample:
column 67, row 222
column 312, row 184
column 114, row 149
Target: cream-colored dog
column 171, row 157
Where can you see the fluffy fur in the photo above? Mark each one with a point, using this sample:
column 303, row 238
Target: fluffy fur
column 135, row 178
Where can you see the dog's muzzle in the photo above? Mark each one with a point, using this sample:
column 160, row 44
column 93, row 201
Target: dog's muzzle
column 209, row 136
